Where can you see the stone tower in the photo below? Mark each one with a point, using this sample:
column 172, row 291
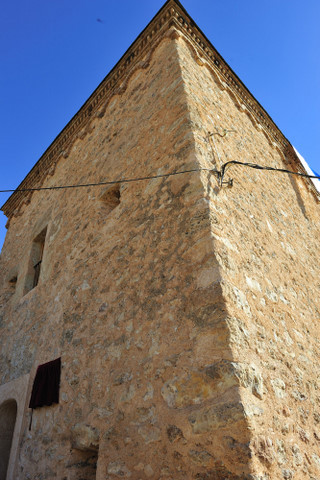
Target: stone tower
column 185, row 312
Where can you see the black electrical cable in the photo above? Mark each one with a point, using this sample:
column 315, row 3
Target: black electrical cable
column 260, row 167
column 111, row 182
column 220, row 175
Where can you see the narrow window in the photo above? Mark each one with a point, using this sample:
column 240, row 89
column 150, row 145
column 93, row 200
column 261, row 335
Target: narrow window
column 35, row 263
column 37, row 267
column 38, row 247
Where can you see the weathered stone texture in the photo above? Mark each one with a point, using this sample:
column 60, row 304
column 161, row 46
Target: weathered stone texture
column 125, row 294
column 185, row 314
column 265, row 233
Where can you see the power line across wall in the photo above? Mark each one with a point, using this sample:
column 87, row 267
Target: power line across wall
column 219, row 173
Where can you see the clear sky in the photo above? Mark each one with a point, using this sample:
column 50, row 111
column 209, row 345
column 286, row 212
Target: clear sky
column 53, row 54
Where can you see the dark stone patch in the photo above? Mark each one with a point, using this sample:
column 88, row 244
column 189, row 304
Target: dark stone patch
column 123, row 378
column 220, row 472
column 121, row 340
column 177, row 455
column 219, row 370
column 73, row 318
column 216, row 417
column 200, row 457
column 240, row 451
column 103, row 307
column 174, row 433
column 66, row 337
column 88, row 462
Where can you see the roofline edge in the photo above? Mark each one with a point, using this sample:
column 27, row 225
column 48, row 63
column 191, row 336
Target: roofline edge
column 171, row 13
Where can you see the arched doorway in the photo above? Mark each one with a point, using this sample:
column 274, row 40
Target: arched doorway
column 8, row 414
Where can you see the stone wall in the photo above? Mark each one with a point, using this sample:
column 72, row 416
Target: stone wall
column 124, row 297
column 185, row 314
column 265, row 232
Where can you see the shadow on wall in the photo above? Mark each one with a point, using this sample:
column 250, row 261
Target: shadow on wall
column 300, row 201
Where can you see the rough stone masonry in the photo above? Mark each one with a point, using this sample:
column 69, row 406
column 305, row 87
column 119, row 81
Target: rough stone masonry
column 185, row 314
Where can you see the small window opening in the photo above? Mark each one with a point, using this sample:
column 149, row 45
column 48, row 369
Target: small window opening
column 38, row 248
column 36, row 273
column 13, row 282
column 11, row 285
column 111, row 196
column 109, row 199
column 35, row 263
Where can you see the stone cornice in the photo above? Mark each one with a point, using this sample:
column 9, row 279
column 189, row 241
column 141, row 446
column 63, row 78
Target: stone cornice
column 171, row 16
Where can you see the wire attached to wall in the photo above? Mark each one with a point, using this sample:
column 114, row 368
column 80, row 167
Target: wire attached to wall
column 218, row 173
column 227, row 165
column 109, row 182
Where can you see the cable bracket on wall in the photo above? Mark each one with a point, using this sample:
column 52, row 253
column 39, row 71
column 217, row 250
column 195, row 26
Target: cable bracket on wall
column 221, row 173
column 221, row 182
column 224, row 133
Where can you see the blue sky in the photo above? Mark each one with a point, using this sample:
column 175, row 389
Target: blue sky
column 53, row 54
